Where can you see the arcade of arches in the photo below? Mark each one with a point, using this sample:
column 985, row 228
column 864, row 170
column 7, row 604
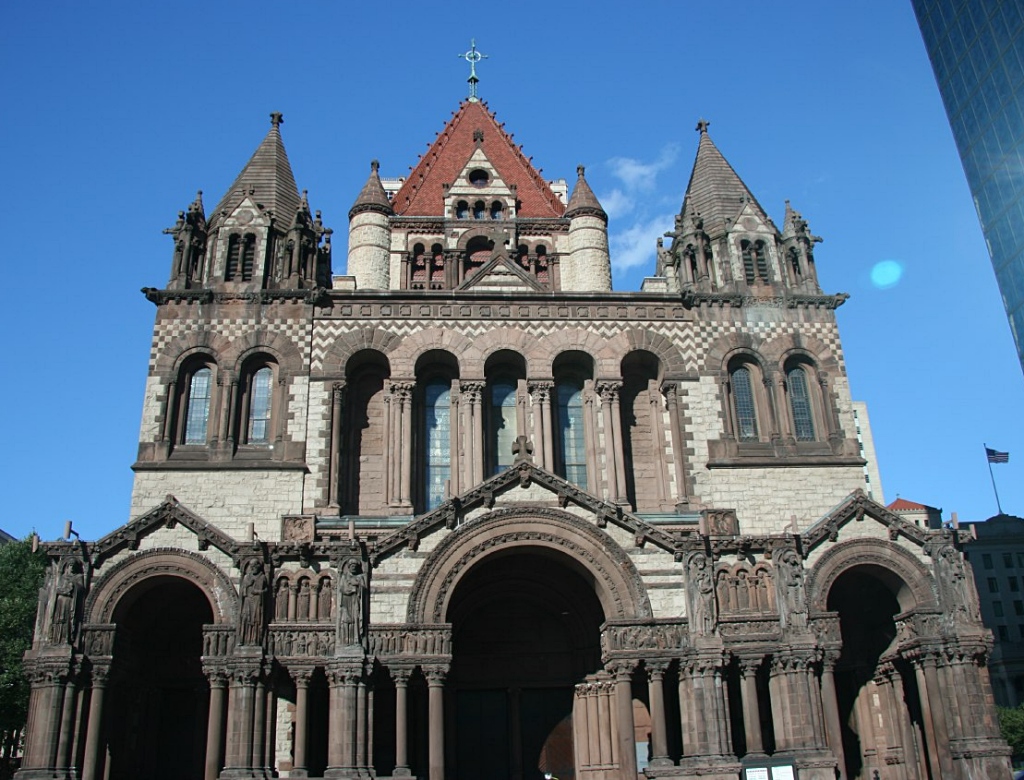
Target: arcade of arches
column 545, row 659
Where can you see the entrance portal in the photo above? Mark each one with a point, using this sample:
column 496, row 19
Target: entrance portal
column 159, row 698
column 525, row 631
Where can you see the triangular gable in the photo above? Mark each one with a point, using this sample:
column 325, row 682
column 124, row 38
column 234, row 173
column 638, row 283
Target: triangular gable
column 857, row 507
column 166, row 515
column 523, row 474
column 422, row 194
column 500, row 273
column 256, row 215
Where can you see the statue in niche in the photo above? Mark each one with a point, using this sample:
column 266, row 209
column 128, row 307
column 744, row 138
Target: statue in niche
column 325, row 599
column 702, row 594
column 789, row 581
column 281, row 600
column 351, row 593
column 253, row 588
column 64, row 597
column 302, row 601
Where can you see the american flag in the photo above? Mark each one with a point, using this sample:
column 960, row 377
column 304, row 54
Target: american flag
column 995, row 456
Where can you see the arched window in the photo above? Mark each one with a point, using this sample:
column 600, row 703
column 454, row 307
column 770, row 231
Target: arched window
column 800, row 403
column 479, row 210
column 437, row 438
column 755, row 261
column 744, row 406
column 497, row 210
column 462, row 210
column 241, row 257
column 233, row 258
column 570, row 439
column 248, row 256
column 259, row 407
column 197, row 407
column 502, row 423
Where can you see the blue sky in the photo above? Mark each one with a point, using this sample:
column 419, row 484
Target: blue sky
column 116, row 113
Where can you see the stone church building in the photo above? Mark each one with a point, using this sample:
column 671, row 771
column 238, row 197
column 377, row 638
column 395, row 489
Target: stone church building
column 466, row 512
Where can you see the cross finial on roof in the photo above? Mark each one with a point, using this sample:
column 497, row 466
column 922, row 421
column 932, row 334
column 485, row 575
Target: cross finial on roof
column 580, row 170
column 472, row 57
column 276, row 118
column 478, row 136
column 702, row 125
column 374, row 166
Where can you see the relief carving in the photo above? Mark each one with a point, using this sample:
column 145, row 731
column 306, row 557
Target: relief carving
column 700, row 590
column 789, row 579
column 253, row 591
column 352, row 594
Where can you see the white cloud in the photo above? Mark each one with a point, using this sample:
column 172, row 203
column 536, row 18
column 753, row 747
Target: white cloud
column 616, row 203
column 637, row 175
column 635, row 246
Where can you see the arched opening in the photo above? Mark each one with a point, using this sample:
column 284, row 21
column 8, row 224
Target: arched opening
column 525, row 630
column 159, row 697
column 642, row 439
column 435, row 371
column 572, row 370
column 363, row 444
column 867, row 599
column 478, row 252
column 506, row 376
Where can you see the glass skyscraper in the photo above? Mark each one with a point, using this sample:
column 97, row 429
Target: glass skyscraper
column 977, row 52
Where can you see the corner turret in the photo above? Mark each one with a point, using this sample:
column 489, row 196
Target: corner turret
column 588, row 266
column 369, row 234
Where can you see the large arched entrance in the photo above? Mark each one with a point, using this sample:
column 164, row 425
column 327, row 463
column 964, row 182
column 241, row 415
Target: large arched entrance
column 525, row 630
column 159, row 698
column 876, row 689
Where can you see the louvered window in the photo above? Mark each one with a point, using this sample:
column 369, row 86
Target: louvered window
column 197, row 412
column 437, row 419
column 248, row 256
column 234, row 255
column 743, row 404
column 800, row 405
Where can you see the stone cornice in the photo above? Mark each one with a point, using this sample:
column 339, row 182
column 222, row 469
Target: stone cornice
column 785, row 300
column 161, row 297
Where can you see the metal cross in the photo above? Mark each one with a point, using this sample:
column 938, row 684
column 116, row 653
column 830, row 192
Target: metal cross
column 472, row 57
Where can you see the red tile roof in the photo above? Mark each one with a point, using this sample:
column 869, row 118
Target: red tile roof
column 903, row 504
column 421, row 195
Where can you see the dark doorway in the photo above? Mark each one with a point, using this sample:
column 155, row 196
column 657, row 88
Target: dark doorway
column 159, row 698
column 526, row 630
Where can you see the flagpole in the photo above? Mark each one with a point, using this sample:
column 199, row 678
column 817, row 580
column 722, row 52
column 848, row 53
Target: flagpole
column 993, row 478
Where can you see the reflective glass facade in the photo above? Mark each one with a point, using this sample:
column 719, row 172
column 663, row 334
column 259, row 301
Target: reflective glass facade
column 977, row 52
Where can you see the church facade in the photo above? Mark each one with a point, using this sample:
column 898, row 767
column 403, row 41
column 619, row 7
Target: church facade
column 468, row 512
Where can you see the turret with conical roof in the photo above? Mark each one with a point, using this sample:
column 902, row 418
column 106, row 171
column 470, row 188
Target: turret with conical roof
column 724, row 240
column 588, row 266
column 261, row 235
column 369, row 234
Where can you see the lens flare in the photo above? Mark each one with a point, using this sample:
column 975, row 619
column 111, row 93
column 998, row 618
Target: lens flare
column 886, row 274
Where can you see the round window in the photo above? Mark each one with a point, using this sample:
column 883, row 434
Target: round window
column 479, row 177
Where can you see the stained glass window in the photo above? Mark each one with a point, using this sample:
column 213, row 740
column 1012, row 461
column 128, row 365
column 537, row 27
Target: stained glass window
column 198, row 412
column 437, row 418
column 800, row 404
column 570, row 432
column 743, row 401
column 259, row 407
column 503, row 423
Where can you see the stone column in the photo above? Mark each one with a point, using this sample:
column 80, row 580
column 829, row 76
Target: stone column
column 361, row 724
column 590, row 438
column 830, row 709
column 435, row 705
column 335, row 749
column 67, row 724
column 472, row 393
column 540, row 391
column 401, row 678
column 405, row 393
column 259, row 723
column 389, row 446
column 581, row 747
column 623, row 673
column 337, row 410
column 455, row 439
column 214, row 724
column 659, row 731
column 302, row 676
column 937, row 732
column 240, row 721
column 748, row 666
column 606, row 744
column 655, row 406
column 94, row 725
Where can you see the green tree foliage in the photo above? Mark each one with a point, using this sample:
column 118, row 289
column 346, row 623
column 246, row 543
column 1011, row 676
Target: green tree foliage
column 1011, row 724
column 21, row 576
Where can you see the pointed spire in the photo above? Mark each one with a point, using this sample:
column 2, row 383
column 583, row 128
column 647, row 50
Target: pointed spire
column 715, row 192
column 372, row 197
column 268, row 177
column 583, row 200
column 789, row 222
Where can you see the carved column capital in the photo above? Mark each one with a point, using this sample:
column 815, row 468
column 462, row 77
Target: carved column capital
column 656, row 669
column 435, row 674
column 609, row 391
column 400, row 675
column 301, row 675
column 621, row 668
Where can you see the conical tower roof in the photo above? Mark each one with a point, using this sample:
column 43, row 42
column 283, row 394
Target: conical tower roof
column 583, row 200
column 715, row 191
column 372, row 197
column 268, row 175
column 422, row 194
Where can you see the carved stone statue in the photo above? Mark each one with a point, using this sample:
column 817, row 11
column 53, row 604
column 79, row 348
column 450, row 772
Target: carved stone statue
column 65, row 602
column 954, row 586
column 789, row 581
column 701, row 588
column 351, row 594
column 302, row 602
column 253, row 590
